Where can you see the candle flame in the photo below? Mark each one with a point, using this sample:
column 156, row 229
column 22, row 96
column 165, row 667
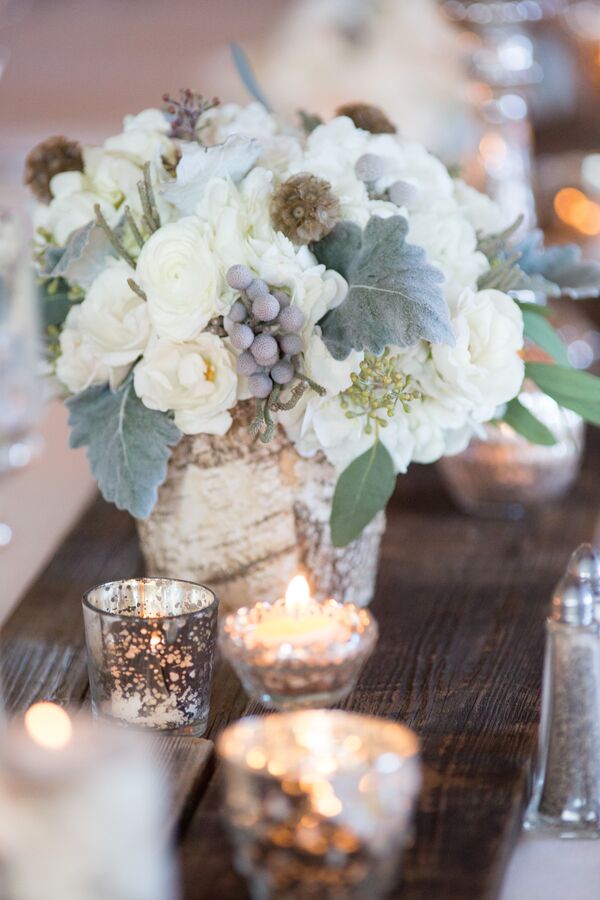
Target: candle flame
column 297, row 596
column 48, row 725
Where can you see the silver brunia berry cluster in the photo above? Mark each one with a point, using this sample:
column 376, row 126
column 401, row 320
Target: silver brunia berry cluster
column 264, row 326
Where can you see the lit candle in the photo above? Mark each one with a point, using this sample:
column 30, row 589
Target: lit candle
column 298, row 651
column 299, row 621
column 321, row 798
column 83, row 812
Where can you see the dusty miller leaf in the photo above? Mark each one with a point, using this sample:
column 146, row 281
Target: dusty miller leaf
column 394, row 295
column 128, row 445
column 362, row 490
column 84, row 256
column 198, row 165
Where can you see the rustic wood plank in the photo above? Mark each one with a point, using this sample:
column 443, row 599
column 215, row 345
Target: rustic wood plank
column 33, row 670
column 186, row 764
column 461, row 604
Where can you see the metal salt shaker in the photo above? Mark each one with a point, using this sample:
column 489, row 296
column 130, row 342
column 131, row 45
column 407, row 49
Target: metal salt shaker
column 566, row 796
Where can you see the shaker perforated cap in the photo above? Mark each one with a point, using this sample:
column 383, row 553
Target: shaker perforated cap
column 578, row 592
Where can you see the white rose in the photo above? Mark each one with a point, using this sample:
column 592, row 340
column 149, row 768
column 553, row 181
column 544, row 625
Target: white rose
column 279, row 143
column 450, row 242
column 113, row 319
column 178, row 271
column 72, row 206
column 113, row 175
column 330, row 373
column 196, row 380
column 485, row 216
column 144, row 137
column 78, row 367
column 484, row 367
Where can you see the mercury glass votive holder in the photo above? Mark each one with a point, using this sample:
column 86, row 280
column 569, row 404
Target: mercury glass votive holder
column 150, row 646
column 319, row 803
column 289, row 675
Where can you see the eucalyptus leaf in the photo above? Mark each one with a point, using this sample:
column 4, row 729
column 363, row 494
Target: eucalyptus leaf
column 198, row 165
column 577, row 390
column 525, row 423
column 246, row 73
column 394, row 295
column 362, row 490
column 84, row 256
column 540, row 331
column 128, row 445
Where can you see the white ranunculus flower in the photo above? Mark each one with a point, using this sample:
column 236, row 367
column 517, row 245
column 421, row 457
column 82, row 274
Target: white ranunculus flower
column 78, row 367
column 178, row 271
column 113, row 319
column 482, row 212
column 195, row 380
column 484, row 367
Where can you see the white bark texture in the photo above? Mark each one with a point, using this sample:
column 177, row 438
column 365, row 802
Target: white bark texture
column 243, row 518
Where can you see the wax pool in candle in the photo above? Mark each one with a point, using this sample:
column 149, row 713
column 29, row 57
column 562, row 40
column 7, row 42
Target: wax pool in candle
column 299, row 621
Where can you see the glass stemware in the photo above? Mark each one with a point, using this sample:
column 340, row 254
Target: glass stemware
column 20, row 394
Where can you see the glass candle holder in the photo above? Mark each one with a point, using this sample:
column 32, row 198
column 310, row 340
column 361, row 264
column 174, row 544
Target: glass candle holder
column 319, row 798
column 505, row 476
column 306, row 666
column 150, row 644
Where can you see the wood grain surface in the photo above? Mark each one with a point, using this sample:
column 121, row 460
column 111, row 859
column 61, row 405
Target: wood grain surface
column 461, row 605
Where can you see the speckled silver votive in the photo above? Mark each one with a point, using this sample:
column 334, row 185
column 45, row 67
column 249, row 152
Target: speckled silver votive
column 150, row 645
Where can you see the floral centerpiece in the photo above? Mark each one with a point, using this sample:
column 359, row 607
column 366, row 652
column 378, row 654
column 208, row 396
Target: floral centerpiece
column 272, row 322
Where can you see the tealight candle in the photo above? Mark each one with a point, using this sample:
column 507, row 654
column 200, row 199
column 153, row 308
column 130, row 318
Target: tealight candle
column 299, row 621
column 319, row 803
column 298, row 651
column 150, row 644
column 83, row 812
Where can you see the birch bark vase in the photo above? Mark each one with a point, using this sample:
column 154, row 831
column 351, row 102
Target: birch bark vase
column 243, row 518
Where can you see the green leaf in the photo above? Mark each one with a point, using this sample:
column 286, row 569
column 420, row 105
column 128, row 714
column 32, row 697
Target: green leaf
column 394, row 295
column 572, row 388
column 128, row 445
column 244, row 70
column 525, row 423
column 55, row 303
column 363, row 489
column 534, row 308
column 540, row 331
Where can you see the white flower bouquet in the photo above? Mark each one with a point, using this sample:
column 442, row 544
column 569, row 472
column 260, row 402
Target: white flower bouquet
column 333, row 274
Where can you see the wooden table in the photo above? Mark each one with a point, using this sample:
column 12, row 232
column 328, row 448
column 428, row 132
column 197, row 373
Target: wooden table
column 461, row 605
